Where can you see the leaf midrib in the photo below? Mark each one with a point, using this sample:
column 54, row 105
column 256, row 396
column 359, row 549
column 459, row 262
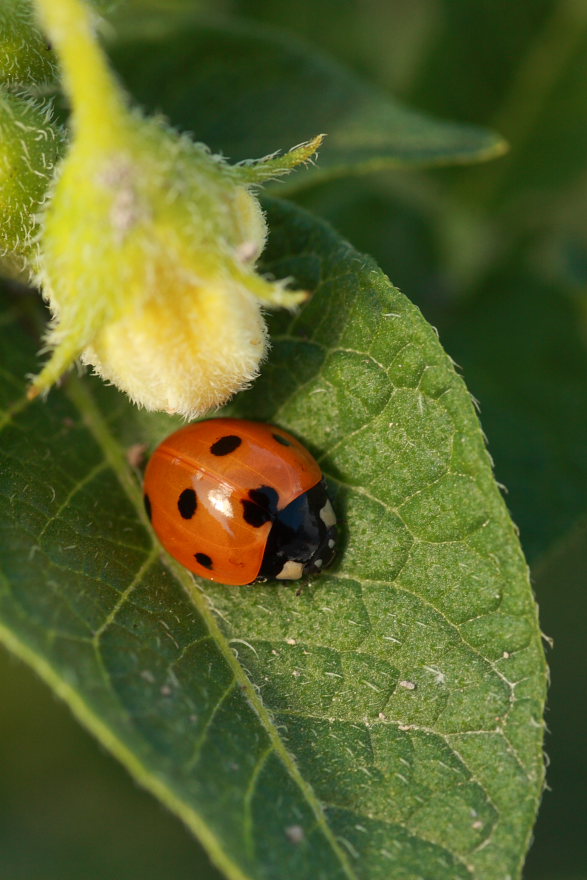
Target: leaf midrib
column 96, row 424
column 89, row 719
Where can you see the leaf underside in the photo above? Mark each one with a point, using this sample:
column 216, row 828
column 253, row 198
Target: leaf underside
column 383, row 721
column 248, row 91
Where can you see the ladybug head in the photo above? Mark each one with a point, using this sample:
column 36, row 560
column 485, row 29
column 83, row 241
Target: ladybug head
column 302, row 539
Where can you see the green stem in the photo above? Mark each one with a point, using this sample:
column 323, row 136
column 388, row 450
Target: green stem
column 97, row 101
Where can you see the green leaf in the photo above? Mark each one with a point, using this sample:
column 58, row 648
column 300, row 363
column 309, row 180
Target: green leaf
column 516, row 327
column 104, row 826
column 248, row 91
column 384, row 719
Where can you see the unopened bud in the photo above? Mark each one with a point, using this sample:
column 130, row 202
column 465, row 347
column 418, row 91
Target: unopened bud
column 149, row 245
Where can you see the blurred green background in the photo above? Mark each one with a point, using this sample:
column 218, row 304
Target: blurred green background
column 496, row 258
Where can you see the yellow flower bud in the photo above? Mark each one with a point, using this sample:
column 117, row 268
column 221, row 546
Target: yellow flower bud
column 187, row 356
column 149, row 244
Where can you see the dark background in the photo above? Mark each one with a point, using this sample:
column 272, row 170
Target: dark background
column 496, row 258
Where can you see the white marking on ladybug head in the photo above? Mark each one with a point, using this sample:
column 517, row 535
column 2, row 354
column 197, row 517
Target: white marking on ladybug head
column 291, row 571
column 331, row 543
column 327, row 515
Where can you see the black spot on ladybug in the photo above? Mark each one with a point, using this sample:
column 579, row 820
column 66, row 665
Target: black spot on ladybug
column 187, row 503
column 204, row 560
column 226, row 445
column 283, row 440
column 147, row 503
column 266, row 497
column 254, row 515
column 261, row 506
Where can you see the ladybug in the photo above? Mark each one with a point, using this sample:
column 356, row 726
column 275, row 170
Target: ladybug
column 240, row 502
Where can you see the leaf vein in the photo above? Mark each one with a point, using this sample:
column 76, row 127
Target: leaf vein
column 81, row 397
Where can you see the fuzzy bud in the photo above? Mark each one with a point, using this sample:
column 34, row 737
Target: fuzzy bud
column 149, row 244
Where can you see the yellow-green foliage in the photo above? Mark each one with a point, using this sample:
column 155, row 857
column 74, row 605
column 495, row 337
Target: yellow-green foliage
column 30, row 145
column 26, row 58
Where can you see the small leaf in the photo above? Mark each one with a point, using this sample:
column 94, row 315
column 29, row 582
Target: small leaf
column 248, row 91
column 385, row 720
